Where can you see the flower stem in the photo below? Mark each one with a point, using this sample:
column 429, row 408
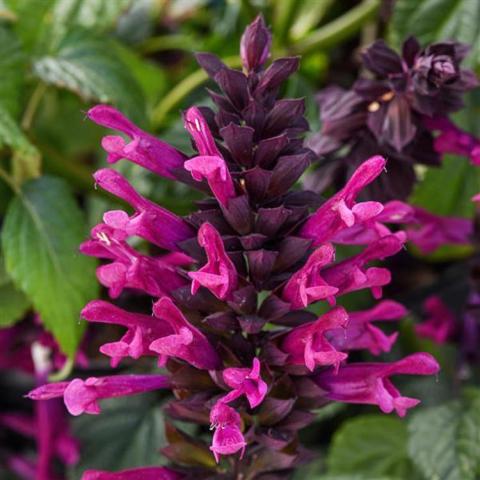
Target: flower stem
column 182, row 90
column 32, row 106
column 338, row 29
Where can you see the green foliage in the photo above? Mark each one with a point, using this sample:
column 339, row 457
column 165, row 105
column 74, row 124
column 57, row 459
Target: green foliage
column 42, row 230
column 444, row 441
column 14, row 303
column 433, row 20
column 128, row 433
column 375, row 445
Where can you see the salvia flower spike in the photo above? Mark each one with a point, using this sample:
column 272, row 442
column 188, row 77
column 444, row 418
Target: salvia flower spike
column 230, row 291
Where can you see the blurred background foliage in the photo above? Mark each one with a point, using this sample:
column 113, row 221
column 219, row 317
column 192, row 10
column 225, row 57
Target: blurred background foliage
column 59, row 57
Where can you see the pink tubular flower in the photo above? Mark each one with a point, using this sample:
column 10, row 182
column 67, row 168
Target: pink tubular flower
column 246, row 382
column 144, row 473
column 142, row 330
column 362, row 334
column 82, row 396
column 374, row 228
column 370, row 382
column 429, row 232
column 454, row 140
column 308, row 345
column 186, row 342
column 307, row 285
column 151, row 222
column 129, row 269
column 341, row 210
column 144, row 149
column 210, row 163
column 351, row 274
column 219, row 275
column 440, row 322
column 228, row 438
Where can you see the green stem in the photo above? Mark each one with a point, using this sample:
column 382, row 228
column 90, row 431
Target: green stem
column 182, row 90
column 32, row 106
column 337, row 30
column 169, row 42
column 9, row 181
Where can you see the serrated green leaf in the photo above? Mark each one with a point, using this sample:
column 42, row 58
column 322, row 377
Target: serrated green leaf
column 372, row 445
column 436, row 20
column 444, row 441
column 89, row 67
column 13, row 302
column 129, row 433
column 42, row 230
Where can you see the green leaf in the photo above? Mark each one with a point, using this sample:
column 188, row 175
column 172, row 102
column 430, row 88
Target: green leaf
column 11, row 71
column 26, row 157
column 129, row 433
column 444, row 441
column 14, row 303
column 89, row 67
column 372, row 445
column 435, row 20
column 42, row 230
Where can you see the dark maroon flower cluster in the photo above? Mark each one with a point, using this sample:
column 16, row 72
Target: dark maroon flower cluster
column 394, row 114
column 243, row 353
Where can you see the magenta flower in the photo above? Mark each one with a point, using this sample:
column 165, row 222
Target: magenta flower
column 307, row 285
column 210, row 163
column 144, row 473
column 129, row 269
column 351, row 274
column 186, row 341
column 219, row 275
column 429, row 232
column 82, row 396
column 370, row 382
column 227, row 439
column 142, row 330
column 246, row 382
column 439, row 324
column 454, row 140
column 144, row 149
column 151, row 222
column 341, row 210
column 308, row 345
column 361, row 333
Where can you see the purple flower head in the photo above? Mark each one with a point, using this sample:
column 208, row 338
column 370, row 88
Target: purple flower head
column 231, row 322
column 144, row 473
column 82, row 396
column 439, row 324
column 307, row 285
column 370, row 382
column 186, row 341
column 144, row 149
column 429, row 232
column 255, row 44
column 228, row 438
column 361, row 333
column 308, row 345
column 219, row 275
column 151, row 222
column 342, row 211
column 386, row 115
column 142, row 330
column 246, row 382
